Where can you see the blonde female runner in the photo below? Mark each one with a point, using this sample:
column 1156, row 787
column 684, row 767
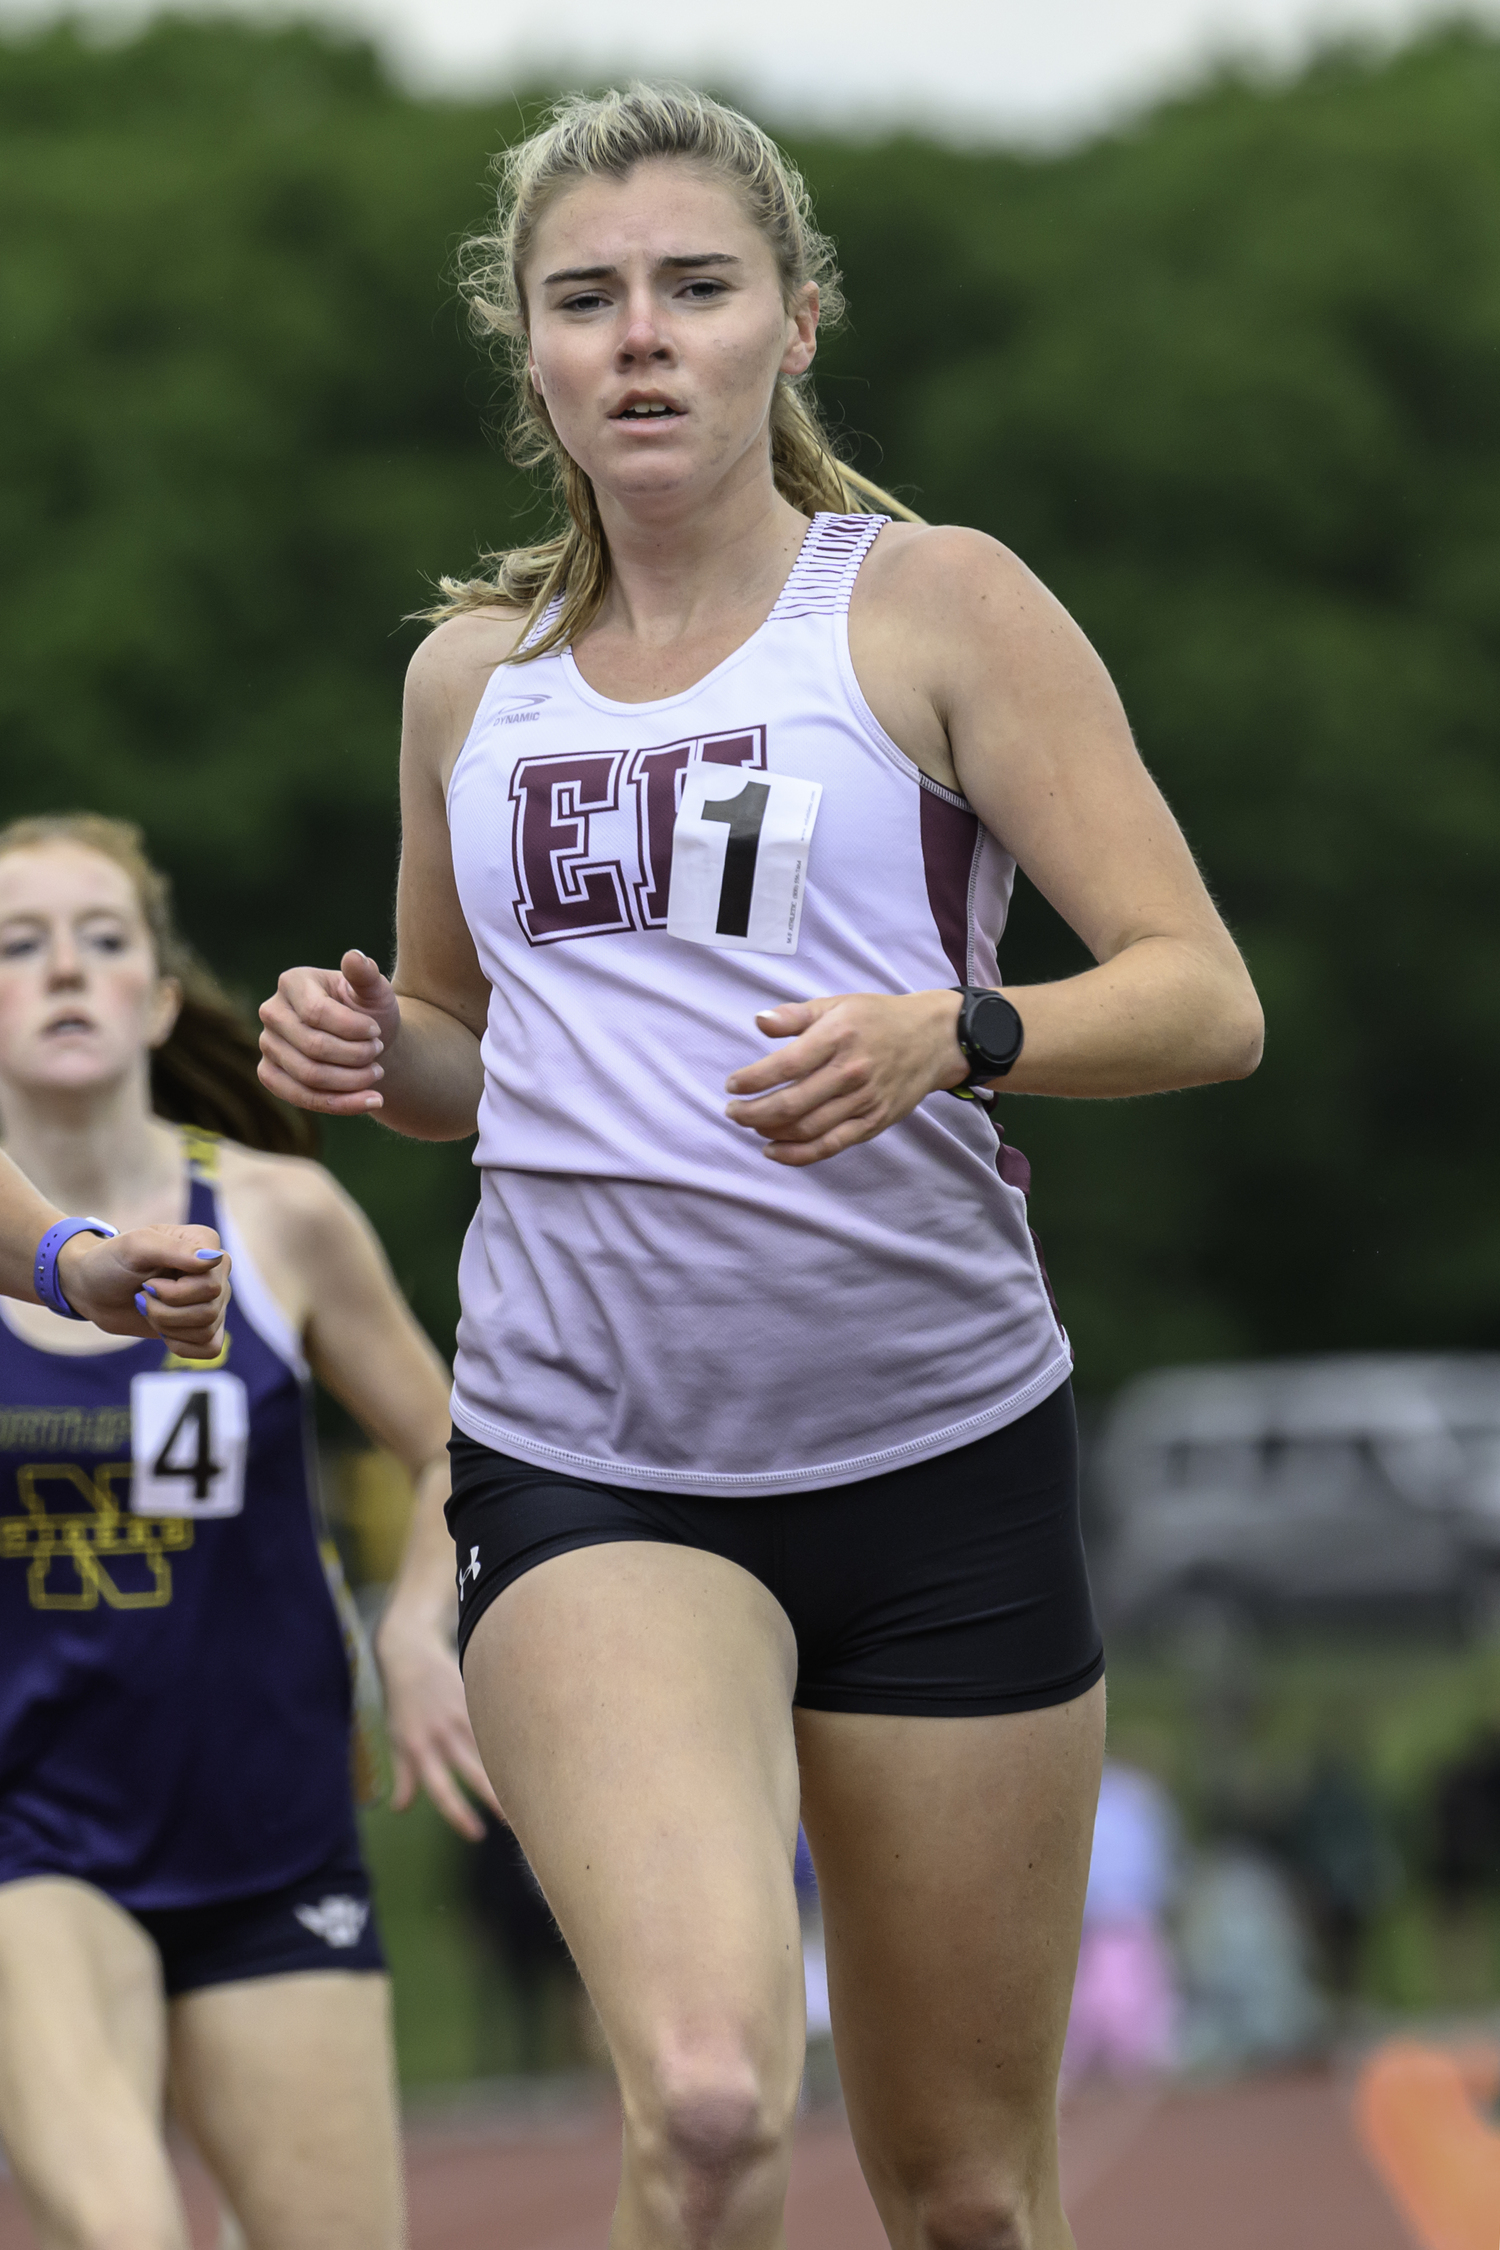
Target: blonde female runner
column 182, row 1897
column 764, row 1467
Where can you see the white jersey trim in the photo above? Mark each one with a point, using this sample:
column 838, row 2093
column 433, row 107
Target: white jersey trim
column 818, row 583
column 879, row 739
column 824, row 1473
column 892, row 751
column 254, row 1297
column 598, row 702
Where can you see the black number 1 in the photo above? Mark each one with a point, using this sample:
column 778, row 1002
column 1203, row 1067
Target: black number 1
column 743, row 816
column 202, row 1468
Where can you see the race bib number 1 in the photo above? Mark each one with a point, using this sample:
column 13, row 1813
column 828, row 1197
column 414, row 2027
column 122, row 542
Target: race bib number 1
column 188, row 1439
column 739, row 858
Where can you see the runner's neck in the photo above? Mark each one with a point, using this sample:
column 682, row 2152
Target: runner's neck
column 107, row 1157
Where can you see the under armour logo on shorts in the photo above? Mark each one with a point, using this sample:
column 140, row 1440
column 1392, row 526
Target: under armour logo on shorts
column 337, row 1921
column 470, row 1570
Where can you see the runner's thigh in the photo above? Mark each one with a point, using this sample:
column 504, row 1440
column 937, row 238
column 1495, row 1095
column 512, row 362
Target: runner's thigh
column 632, row 1702
column 82, row 2054
column 952, row 1858
column 287, row 2085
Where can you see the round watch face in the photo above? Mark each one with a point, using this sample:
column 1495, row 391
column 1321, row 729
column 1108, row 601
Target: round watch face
column 994, row 1029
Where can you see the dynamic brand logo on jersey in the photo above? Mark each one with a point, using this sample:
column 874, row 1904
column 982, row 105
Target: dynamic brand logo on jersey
column 591, row 836
column 520, row 707
column 338, row 1921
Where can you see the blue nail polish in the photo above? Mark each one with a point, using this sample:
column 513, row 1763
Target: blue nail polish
column 141, row 1305
column 208, row 1254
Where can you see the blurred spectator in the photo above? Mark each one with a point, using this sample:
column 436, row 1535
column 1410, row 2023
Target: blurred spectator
column 1338, row 1845
column 1125, row 2006
column 1250, row 1998
column 1466, row 1820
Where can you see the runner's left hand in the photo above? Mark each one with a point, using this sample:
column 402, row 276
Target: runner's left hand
column 856, row 1064
column 427, row 1721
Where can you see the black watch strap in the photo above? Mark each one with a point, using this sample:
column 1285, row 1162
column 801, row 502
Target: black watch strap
column 991, row 1035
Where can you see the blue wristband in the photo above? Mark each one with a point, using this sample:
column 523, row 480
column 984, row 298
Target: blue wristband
column 45, row 1274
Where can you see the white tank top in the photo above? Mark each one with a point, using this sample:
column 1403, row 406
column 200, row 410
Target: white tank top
column 647, row 1300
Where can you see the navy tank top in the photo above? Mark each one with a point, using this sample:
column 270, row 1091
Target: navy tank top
column 175, row 1699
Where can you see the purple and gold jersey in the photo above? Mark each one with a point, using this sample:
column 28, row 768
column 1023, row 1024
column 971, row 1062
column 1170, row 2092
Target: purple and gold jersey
column 174, row 1691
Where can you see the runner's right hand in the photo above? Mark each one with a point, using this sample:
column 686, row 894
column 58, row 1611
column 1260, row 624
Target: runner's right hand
column 171, row 1282
column 324, row 1033
column 427, row 1720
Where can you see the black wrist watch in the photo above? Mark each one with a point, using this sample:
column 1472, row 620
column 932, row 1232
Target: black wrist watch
column 991, row 1035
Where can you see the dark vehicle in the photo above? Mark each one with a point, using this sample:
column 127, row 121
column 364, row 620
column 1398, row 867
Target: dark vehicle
column 1359, row 1488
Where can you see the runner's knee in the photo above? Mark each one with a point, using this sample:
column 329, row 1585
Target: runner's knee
column 711, row 2114
column 713, row 2125
column 716, row 2110
column 976, row 2214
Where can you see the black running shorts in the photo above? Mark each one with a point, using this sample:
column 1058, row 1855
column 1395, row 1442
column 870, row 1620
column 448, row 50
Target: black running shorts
column 325, row 1921
column 950, row 1589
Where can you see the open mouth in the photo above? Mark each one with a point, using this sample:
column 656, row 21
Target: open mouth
column 65, row 1024
column 649, row 410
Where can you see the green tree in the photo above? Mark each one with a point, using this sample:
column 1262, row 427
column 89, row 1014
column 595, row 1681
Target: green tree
column 243, row 437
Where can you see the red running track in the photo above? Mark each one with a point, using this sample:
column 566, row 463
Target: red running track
column 1261, row 2164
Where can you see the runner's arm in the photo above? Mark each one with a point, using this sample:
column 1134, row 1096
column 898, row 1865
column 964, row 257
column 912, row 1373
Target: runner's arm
column 1007, row 685
column 1044, row 753
column 348, row 1042
column 108, row 1280
column 365, row 1345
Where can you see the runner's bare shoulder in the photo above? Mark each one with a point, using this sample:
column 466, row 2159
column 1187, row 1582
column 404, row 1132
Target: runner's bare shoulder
column 943, row 569
column 449, row 673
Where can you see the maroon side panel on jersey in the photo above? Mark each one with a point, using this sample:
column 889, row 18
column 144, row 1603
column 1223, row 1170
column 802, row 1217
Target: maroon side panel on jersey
column 950, row 838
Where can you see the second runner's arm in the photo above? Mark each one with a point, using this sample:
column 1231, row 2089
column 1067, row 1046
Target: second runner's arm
column 171, row 1282
column 365, row 1345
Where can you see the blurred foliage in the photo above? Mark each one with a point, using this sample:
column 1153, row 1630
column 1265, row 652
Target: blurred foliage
column 459, row 2013
column 1228, row 380
column 447, row 2002
column 1238, row 1742
column 1234, row 1742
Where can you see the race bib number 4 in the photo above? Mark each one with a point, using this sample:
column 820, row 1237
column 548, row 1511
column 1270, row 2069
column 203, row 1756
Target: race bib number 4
column 739, row 858
column 188, row 1438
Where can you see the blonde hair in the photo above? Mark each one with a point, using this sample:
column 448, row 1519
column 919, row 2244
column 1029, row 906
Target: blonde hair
column 204, row 1072
column 585, row 137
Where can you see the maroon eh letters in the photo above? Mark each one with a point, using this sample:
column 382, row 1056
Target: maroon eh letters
column 566, row 892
